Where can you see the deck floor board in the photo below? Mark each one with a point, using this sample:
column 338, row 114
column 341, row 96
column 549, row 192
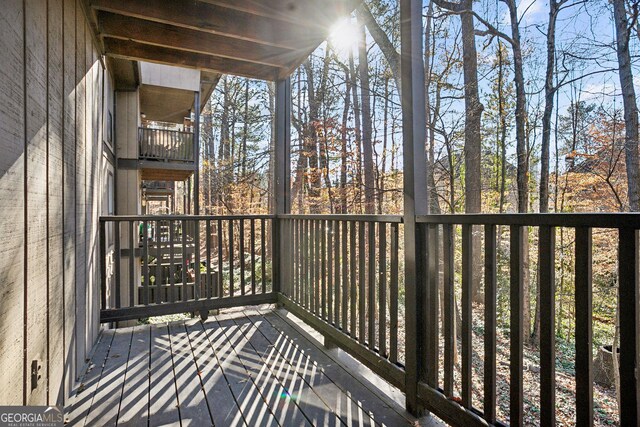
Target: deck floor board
column 243, row 368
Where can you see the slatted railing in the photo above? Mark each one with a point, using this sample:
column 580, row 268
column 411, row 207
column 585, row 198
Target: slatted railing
column 171, row 264
column 437, row 390
column 342, row 273
column 164, row 144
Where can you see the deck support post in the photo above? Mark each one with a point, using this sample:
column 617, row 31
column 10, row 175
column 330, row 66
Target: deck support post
column 415, row 195
column 281, row 180
column 196, row 154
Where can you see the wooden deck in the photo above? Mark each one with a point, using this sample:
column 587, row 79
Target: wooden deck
column 248, row 367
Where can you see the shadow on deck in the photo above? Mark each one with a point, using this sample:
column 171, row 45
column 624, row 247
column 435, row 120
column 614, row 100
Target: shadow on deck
column 251, row 366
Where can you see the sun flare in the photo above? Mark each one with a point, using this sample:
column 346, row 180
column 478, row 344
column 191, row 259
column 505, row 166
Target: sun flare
column 344, row 36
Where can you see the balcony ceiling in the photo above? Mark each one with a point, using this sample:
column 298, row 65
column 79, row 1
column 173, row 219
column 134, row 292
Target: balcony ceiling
column 262, row 39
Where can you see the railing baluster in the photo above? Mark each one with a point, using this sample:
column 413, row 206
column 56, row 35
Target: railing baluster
column 628, row 301
column 352, row 279
column 466, row 338
column 220, row 283
column 372, row 285
column 118, row 260
column 158, row 282
column 362, row 283
column 295, row 276
column 382, row 285
column 393, row 295
column 172, row 261
column 253, row 256
column 345, row 282
column 448, row 312
column 103, row 266
column 431, row 317
column 323, row 257
column 241, row 255
column 196, row 261
column 516, row 293
column 231, row 259
column 312, row 266
column 185, row 265
column 304, row 258
column 263, row 251
column 318, row 273
column 133, row 284
column 490, row 297
column 330, row 265
column 336, row 251
column 298, row 257
column 546, row 250
column 145, row 262
column 209, row 282
column 583, row 333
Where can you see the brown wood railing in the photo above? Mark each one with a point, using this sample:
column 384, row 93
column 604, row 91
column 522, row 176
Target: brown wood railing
column 344, row 275
column 165, row 264
column 437, row 391
column 167, row 145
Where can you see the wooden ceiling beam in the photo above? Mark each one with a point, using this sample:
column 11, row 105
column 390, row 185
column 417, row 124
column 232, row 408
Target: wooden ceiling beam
column 132, row 50
column 321, row 14
column 220, row 20
column 159, row 34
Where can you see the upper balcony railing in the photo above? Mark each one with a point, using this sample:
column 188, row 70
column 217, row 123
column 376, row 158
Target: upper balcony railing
column 165, row 145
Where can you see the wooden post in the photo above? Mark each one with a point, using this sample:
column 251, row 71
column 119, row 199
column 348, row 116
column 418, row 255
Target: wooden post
column 281, row 180
column 196, row 155
column 415, row 196
column 628, row 297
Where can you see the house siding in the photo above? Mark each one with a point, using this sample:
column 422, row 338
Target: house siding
column 51, row 133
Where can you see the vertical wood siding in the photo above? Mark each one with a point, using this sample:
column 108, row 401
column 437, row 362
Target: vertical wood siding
column 51, row 102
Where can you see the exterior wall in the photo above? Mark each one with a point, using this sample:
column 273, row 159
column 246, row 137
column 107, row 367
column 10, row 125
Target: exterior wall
column 169, row 76
column 129, row 180
column 127, row 122
column 51, row 114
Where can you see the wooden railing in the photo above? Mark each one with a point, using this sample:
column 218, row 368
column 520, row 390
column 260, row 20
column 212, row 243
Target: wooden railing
column 437, row 386
column 157, row 265
column 166, row 145
column 344, row 275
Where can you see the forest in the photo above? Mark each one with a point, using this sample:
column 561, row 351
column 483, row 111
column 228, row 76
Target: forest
column 531, row 107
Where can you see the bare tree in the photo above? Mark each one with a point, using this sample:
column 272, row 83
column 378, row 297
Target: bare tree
column 472, row 124
column 623, row 33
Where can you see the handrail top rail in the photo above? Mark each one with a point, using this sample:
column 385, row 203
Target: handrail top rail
column 345, row 217
column 185, row 132
column 615, row 220
column 107, row 218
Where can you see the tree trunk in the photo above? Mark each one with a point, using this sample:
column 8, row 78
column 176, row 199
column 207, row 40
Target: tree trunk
column 301, row 164
column 472, row 130
column 324, row 148
column 245, row 131
column 382, row 40
column 629, row 101
column 343, row 148
column 385, row 137
column 522, row 175
column 472, row 140
column 367, row 143
column 358, row 128
column 549, row 92
column 434, row 205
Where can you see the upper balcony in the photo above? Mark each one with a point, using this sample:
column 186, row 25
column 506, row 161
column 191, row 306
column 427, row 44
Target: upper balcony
column 165, row 154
